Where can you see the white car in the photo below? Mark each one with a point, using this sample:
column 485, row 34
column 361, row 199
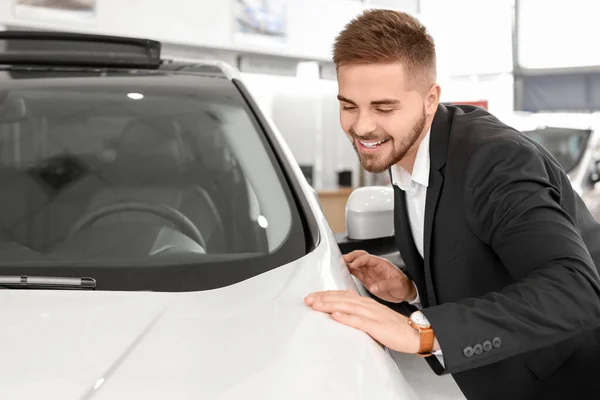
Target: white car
column 157, row 239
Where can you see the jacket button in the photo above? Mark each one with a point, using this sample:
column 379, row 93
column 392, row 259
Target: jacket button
column 487, row 345
column 468, row 351
column 496, row 342
column 478, row 349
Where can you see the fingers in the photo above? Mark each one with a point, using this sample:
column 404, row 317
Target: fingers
column 344, row 307
column 351, row 309
column 362, row 260
column 342, row 303
column 333, row 295
column 350, row 257
column 353, row 321
column 359, row 274
column 397, row 286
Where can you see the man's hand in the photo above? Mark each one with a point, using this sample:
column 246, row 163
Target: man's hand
column 383, row 324
column 380, row 277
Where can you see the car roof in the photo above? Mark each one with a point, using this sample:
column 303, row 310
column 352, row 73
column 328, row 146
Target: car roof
column 31, row 51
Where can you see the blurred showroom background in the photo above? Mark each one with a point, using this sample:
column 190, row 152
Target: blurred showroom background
column 514, row 57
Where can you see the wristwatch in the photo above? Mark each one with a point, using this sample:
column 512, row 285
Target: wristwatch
column 421, row 324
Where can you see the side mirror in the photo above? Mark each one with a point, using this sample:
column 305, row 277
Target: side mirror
column 370, row 213
column 370, row 221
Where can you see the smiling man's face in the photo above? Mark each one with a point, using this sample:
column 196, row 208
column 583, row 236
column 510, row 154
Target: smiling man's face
column 384, row 113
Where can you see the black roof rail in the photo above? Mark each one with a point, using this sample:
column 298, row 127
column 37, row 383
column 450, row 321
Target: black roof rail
column 203, row 67
column 77, row 49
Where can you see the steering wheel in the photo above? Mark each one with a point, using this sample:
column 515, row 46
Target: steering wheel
column 183, row 223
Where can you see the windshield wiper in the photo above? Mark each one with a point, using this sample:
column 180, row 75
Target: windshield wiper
column 45, row 282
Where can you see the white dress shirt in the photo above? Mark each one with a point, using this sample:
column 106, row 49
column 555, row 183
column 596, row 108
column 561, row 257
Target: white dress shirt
column 415, row 187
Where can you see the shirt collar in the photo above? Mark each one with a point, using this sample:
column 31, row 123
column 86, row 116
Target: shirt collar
column 420, row 173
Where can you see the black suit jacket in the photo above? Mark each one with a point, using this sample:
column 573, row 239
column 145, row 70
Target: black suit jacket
column 508, row 279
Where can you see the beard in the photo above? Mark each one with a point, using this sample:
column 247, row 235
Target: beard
column 378, row 163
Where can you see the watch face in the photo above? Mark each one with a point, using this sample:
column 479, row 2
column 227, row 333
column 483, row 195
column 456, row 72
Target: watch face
column 419, row 319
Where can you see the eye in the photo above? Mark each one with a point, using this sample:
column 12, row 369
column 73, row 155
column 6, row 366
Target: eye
column 384, row 112
column 348, row 108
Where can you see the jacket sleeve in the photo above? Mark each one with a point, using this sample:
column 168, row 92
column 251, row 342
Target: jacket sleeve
column 513, row 203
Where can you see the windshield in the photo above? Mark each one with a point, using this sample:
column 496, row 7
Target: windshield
column 142, row 183
column 566, row 145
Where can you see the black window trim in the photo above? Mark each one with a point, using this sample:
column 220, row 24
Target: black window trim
column 310, row 223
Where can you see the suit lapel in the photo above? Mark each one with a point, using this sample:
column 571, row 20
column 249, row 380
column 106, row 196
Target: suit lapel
column 440, row 132
column 419, row 269
column 436, row 181
column 405, row 242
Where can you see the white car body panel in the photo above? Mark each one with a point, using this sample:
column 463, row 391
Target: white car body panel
column 252, row 340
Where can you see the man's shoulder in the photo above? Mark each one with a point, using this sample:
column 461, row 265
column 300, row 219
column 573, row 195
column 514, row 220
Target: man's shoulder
column 478, row 131
column 478, row 126
column 482, row 146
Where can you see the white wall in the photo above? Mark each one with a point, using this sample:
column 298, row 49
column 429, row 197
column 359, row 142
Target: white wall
column 474, row 46
column 472, row 36
column 557, row 34
column 312, row 24
column 264, row 87
column 407, row 5
column 497, row 89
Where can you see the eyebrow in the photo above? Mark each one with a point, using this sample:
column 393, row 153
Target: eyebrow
column 374, row 102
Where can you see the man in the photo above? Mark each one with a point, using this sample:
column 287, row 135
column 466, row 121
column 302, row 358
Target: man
column 499, row 249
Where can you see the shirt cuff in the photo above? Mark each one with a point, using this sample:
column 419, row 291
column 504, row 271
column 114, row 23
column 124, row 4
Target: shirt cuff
column 438, row 354
column 417, row 300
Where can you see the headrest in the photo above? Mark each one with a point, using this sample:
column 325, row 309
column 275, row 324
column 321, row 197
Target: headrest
column 150, row 151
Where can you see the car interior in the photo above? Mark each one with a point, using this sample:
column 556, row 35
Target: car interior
column 99, row 180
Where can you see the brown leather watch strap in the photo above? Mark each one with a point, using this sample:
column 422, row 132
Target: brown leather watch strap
column 427, row 340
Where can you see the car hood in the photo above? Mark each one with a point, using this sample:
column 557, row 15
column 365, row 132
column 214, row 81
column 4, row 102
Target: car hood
column 255, row 339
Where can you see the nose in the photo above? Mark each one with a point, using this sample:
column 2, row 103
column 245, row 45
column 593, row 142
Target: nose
column 364, row 124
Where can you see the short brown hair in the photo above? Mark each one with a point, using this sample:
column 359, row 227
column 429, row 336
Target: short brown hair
column 386, row 36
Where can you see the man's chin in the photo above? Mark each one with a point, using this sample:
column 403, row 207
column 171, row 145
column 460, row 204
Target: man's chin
column 375, row 166
column 377, row 170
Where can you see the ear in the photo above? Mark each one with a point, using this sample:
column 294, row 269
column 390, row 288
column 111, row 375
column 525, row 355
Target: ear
column 432, row 100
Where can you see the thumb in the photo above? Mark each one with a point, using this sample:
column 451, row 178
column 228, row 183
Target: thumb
column 397, row 286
